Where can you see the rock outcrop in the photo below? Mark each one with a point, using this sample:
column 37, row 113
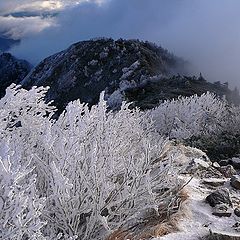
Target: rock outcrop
column 220, row 196
column 12, row 70
column 235, row 182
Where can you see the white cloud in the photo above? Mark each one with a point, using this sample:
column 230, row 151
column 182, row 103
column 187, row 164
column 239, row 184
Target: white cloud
column 23, row 26
column 17, row 28
column 10, row 6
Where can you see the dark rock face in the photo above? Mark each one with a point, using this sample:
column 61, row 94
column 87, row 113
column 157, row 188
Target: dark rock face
column 224, row 162
column 235, row 181
column 237, row 212
column 220, row 146
column 235, row 162
column 87, row 68
column 12, row 70
column 161, row 88
column 227, row 171
column 220, row 196
column 222, row 211
column 215, row 235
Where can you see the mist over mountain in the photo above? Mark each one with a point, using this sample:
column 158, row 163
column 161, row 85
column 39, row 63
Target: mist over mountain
column 126, row 70
column 201, row 32
column 6, row 43
column 139, row 72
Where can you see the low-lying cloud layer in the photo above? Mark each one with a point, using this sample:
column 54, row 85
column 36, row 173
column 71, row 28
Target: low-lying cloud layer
column 20, row 19
column 204, row 32
column 17, row 28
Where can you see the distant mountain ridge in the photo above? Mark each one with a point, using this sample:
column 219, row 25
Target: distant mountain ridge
column 12, row 70
column 131, row 70
column 7, row 43
column 158, row 89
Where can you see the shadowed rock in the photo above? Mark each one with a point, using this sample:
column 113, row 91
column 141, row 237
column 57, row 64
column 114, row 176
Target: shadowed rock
column 219, row 197
column 235, row 181
column 12, row 70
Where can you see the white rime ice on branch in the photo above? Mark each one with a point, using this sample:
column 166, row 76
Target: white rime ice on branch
column 186, row 117
column 87, row 173
column 20, row 205
column 102, row 170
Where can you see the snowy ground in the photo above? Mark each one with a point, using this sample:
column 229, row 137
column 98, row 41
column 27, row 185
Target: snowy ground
column 198, row 218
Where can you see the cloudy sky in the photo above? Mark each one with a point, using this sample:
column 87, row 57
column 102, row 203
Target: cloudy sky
column 23, row 18
column 205, row 32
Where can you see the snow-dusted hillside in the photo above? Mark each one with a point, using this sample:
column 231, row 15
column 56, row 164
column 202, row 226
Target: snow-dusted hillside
column 87, row 68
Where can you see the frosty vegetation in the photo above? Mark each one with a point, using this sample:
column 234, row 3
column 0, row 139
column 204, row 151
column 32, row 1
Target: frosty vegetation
column 186, row 117
column 89, row 172
column 86, row 173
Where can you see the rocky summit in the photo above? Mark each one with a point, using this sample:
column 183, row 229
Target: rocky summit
column 12, row 70
column 139, row 72
column 87, row 68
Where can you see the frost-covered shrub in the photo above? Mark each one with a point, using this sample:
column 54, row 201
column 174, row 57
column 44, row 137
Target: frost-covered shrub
column 22, row 116
column 105, row 170
column 95, row 169
column 20, row 107
column 186, row 117
column 224, row 143
column 204, row 122
column 233, row 124
column 20, row 206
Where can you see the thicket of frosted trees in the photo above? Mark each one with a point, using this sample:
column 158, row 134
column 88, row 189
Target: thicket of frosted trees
column 86, row 174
